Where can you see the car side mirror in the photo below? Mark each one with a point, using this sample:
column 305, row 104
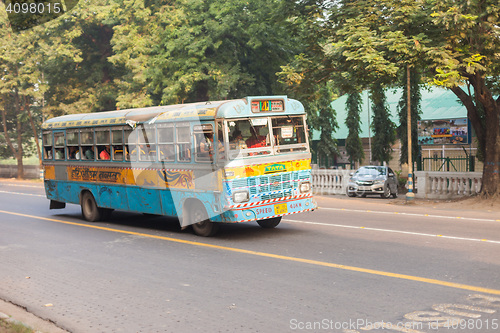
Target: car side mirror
column 351, row 173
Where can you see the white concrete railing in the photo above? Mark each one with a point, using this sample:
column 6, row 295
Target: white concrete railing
column 329, row 181
column 446, row 185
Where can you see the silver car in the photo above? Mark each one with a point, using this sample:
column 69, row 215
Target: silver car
column 373, row 179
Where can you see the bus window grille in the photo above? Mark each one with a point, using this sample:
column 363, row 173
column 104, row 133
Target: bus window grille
column 287, row 193
column 265, row 197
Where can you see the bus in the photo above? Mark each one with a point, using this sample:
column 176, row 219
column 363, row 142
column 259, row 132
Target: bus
column 205, row 163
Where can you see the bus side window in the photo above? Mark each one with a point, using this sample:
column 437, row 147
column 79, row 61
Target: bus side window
column 204, row 143
column 103, row 143
column 47, row 145
column 59, row 146
column 131, row 152
column 87, row 144
column 72, row 141
column 147, row 142
column 183, row 143
column 166, row 142
column 117, row 143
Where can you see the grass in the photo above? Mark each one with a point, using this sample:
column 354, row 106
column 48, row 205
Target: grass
column 10, row 327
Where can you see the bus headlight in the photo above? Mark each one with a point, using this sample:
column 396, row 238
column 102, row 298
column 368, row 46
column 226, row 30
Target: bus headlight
column 241, row 196
column 305, row 187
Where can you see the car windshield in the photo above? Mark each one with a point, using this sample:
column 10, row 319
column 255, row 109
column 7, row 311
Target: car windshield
column 375, row 171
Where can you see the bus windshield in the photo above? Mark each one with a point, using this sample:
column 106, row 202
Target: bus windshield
column 252, row 136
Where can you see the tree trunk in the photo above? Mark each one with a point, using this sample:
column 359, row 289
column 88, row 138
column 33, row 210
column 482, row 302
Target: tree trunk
column 487, row 131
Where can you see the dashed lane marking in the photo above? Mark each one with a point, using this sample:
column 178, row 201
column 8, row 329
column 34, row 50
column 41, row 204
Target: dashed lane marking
column 276, row 256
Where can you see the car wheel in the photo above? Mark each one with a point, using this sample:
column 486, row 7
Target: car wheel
column 395, row 194
column 387, row 192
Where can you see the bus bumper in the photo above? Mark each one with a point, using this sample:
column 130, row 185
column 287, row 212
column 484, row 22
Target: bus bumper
column 266, row 209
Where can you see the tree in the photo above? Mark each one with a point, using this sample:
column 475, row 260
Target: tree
column 19, row 87
column 188, row 51
column 353, row 143
column 454, row 43
column 402, row 129
column 384, row 134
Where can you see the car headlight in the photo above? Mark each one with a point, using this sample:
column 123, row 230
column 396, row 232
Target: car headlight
column 305, row 187
column 379, row 182
column 241, row 196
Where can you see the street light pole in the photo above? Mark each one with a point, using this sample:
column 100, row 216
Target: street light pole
column 410, row 195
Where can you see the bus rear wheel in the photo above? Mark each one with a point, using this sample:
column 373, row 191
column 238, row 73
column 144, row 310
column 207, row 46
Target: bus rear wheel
column 90, row 211
column 270, row 223
column 198, row 218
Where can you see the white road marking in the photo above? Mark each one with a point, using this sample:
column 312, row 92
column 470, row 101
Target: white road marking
column 394, row 231
column 410, row 214
column 19, row 193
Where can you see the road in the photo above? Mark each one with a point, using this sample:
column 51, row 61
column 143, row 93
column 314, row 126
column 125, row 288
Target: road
column 354, row 265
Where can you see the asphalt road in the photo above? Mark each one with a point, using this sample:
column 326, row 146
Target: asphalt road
column 354, row 265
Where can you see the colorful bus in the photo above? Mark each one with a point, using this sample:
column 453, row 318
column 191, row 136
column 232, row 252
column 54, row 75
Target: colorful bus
column 222, row 161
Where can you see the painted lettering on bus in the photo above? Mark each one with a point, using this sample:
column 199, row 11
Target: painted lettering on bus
column 263, row 211
column 275, row 168
column 296, row 205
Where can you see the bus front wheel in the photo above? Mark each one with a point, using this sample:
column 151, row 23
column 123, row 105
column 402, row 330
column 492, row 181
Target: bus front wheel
column 90, row 211
column 270, row 223
column 202, row 226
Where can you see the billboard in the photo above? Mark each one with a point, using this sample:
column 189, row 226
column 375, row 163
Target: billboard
column 444, row 132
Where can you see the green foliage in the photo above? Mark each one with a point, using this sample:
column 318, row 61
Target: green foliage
column 384, row 133
column 353, row 144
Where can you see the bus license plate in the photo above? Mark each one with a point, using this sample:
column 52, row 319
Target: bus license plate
column 280, row 209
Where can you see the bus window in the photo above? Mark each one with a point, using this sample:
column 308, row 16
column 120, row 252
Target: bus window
column 73, row 150
column 289, row 131
column 221, row 146
column 117, row 143
column 183, row 143
column 87, row 144
column 166, row 142
column 147, row 142
column 203, row 143
column 47, row 145
column 131, row 152
column 252, row 134
column 103, row 143
column 59, row 145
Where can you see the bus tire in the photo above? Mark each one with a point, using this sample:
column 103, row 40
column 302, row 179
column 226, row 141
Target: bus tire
column 201, row 224
column 270, row 223
column 90, row 211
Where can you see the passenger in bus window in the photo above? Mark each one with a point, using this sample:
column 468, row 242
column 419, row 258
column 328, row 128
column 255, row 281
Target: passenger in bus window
column 89, row 154
column 72, row 153
column 256, row 140
column 238, row 141
column 206, row 144
column 104, row 154
column 59, row 153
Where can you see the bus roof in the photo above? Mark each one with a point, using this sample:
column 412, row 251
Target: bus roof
column 237, row 108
